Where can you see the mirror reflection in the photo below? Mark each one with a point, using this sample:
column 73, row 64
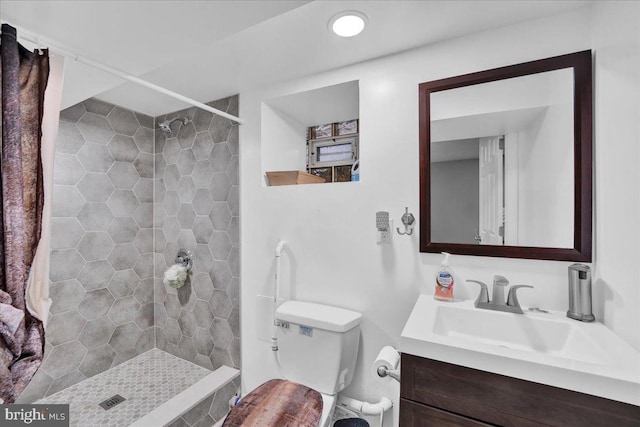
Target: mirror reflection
column 502, row 162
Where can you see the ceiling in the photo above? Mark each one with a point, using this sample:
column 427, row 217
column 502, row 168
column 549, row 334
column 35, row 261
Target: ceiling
column 207, row 50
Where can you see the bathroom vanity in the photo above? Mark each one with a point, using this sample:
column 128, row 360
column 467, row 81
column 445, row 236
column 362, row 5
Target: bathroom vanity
column 463, row 366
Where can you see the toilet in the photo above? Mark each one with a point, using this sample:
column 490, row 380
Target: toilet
column 318, row 345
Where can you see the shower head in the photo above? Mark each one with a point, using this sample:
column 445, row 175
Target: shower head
column 166, row 125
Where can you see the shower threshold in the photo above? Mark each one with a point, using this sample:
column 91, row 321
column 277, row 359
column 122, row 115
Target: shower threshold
column 146, row 382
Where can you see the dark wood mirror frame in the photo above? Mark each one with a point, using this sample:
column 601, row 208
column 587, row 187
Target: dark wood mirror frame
column 582, row 130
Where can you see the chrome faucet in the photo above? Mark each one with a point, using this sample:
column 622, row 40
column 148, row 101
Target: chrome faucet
column 497, row 302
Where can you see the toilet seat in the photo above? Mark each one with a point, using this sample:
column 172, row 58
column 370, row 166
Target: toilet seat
column 281, row 403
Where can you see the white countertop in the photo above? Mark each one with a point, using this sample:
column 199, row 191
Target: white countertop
column 608, row 367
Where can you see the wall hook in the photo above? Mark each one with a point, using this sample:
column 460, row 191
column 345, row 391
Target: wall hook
column 184, row 259
column 409, row 222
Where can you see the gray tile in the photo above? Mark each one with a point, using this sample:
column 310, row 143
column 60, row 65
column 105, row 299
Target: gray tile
column 234, row 352
column 95, row 304
column 187, row 296
column 144, row 120
column 172, row 331
column 143, row 215
column 67, row 169
column 171, row 203
column 186, row 215
column 95, row 158
column 143, row 190
column 202, row 174
column 124, row 337
column 202, row 202
column 220, row 216
column 220, row 104
column 95, row 128
column 146, row 340
column 64, row 327
column 96, row 106
column 234, row 322
column 144, row 266
column 198, row 412
column 160, row 316
column 220, row 274
column 187, row 323
column 233, row 291
column 220, row 304
column 202, row 259
column 171, row 151
column 202, row 313
column 159, row 165
column 95, row 245
column 73, row 113
column 64, row 359
column 97, row 360
column 220, row 357
column 172, row 306
column 178, row 423
column 95, row 275
column 220, row 157
column 233, row 200
column 186, row 161
column 123, row 148
column 186, row 189
column 169, row 255
column 123, row 175
column 123, row 121
column 144, row 241
column 186, row 134
column 144, row 164
column 159, row 190
column 97, row 332
column 95, row 187
column 233, row 140
column 67, row 201
column 220, row 245
column 220, row 128
column 202, row 285
column 65, row 233
column 123, row 283
column 65, row 295
column 144, row 291
column 234, row 106
column 158, row 240
column 202, row 229
column 65, row 381
column 65, row 264
column 37, row 387
column 171, row 229
column 207, row 421
column 123, row 203
column 123, row 229
column 123, row 310
column 144, row 139
column 233, row 171
column 186, row 239
column 171, row 177
column 234, row 231
column 187, row 348
column 144, row 316
column 202, row 146
column 69, row 139
column 95, row 217
column 123, row 256
column 202, row 120
column 220, row 186
column 234, row 261
column 220, row 405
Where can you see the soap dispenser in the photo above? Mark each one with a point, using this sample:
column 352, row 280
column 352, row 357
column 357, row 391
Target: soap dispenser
column 580, row 293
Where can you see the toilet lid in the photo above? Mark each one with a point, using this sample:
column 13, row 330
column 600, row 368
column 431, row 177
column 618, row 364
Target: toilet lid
column 277, row 403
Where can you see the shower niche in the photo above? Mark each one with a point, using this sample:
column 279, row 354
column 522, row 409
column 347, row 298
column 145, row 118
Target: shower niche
column 312, row 137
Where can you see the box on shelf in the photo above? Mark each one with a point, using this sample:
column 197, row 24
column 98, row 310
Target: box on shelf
column 292, row 178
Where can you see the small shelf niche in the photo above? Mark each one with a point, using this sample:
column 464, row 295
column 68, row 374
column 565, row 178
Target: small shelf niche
column 287, row 138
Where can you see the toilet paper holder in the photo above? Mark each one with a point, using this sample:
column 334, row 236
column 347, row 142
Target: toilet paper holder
column 383, row 371
column 387, row 363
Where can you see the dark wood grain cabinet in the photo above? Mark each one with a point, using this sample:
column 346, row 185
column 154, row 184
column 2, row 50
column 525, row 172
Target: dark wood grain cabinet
column 434, row 393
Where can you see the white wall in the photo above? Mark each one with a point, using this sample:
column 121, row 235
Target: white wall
column 331, row 255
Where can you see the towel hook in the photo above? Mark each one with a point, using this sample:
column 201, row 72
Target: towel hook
column 409, row 222
column 184, row 259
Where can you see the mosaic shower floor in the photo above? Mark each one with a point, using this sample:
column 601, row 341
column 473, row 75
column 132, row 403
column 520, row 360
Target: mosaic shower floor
column 146, row 382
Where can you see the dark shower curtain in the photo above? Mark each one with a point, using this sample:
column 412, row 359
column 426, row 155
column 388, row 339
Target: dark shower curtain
column 24, row 79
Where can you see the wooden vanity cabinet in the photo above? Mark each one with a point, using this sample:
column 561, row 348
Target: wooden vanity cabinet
column 434, row 393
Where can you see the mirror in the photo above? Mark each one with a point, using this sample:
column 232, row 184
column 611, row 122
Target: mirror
column 505, row 161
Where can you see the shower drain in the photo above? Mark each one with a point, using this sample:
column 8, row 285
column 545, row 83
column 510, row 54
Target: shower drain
column 112, row 401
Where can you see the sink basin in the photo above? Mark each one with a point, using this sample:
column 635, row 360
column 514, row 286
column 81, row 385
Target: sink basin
column 548, row 348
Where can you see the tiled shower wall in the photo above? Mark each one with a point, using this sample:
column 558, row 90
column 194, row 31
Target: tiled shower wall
column 101, row 245
column 196, row 207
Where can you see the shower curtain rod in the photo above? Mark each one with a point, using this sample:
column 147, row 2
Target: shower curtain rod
column 38, row 41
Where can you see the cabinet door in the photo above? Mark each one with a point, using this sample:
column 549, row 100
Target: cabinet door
column 414, row 414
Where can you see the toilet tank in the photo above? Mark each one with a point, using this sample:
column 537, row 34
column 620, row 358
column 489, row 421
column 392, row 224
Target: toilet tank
column 318, row 344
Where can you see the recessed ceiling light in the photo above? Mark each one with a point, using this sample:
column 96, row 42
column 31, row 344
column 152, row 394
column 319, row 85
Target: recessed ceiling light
column 348, row 24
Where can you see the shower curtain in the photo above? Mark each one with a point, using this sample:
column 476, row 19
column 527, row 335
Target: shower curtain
column 24, row 79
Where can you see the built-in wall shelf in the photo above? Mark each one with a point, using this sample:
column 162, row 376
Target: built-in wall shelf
column 315, row 131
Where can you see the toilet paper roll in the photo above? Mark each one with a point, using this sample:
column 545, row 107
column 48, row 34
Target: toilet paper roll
column 387, row 357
